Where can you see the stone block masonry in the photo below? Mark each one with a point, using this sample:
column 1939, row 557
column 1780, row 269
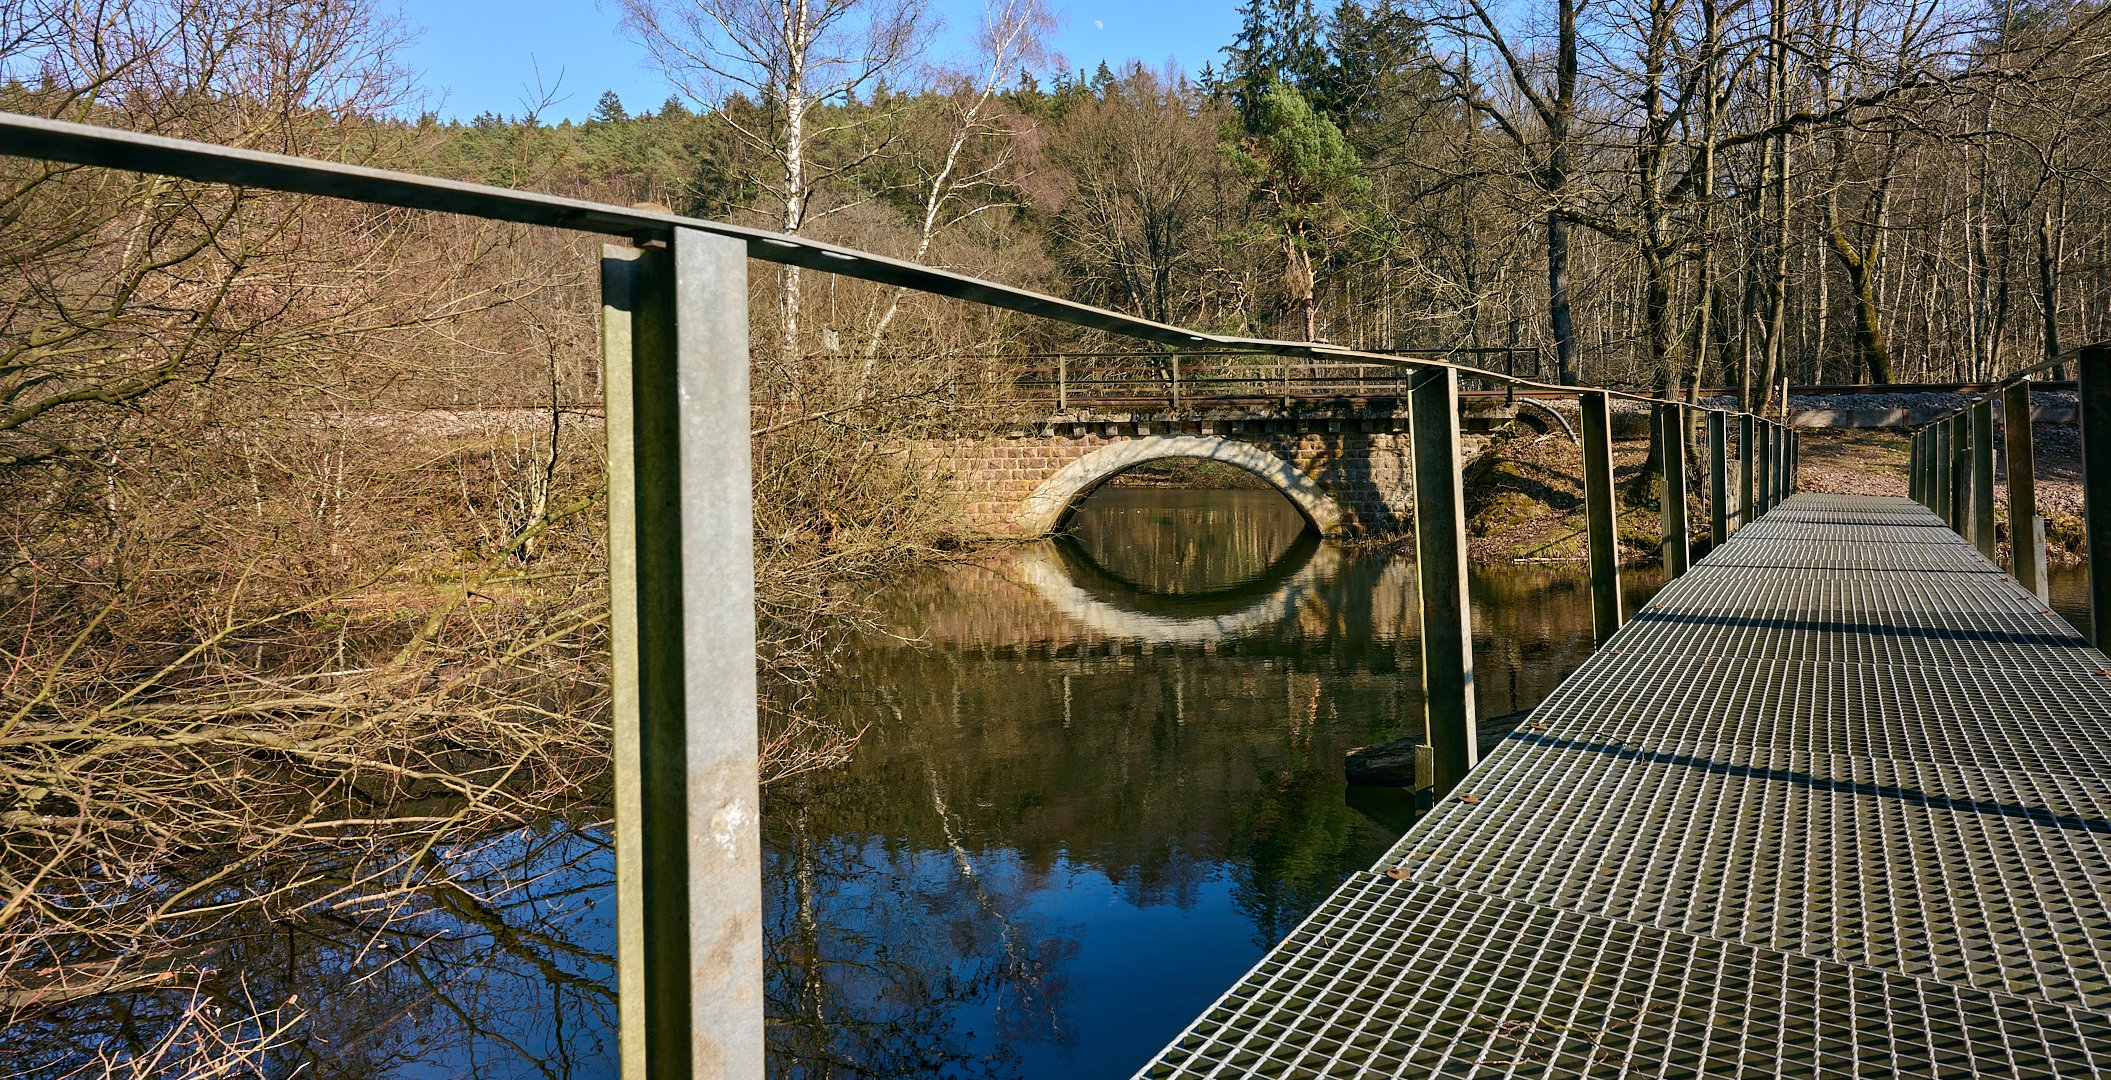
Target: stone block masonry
column 1349, row 476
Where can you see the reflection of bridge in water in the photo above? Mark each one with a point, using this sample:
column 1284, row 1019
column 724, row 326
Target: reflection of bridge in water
column 1065, row 575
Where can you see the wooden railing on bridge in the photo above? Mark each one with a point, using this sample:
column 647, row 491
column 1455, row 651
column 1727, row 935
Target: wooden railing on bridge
column 675, row 345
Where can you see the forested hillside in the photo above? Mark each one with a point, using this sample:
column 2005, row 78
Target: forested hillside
column 302, row 580
column 1650, row 192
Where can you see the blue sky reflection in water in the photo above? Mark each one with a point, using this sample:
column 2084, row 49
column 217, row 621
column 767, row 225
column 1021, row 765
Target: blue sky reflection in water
column 1103, row 781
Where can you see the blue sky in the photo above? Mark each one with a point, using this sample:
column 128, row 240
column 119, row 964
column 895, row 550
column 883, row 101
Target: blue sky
column 479, row 55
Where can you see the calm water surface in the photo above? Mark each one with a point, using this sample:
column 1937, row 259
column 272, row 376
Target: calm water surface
column 1100, row 775
column 1103, row 773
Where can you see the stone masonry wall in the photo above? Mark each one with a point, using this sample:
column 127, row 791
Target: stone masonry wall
column 1367, row 472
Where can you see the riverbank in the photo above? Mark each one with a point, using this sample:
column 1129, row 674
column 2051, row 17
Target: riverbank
column 1524, row 494
column 1524, row 501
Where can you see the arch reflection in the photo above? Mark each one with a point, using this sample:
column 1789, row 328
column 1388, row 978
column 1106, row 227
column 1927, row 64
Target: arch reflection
column 1181, row 566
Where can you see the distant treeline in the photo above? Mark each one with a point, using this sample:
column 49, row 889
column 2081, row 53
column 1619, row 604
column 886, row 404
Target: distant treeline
column 1648, row 193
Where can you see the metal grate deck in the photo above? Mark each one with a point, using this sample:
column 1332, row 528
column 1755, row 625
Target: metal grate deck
column 1837, row 802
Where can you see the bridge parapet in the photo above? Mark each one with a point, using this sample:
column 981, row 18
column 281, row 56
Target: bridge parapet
column 1348, row 476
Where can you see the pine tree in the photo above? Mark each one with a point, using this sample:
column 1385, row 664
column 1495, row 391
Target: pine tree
column 1303, row 168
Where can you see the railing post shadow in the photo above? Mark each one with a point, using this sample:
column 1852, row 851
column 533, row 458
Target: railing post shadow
column 1982, row 421
column 2094, row 389
column 682, row 642
column 1671, row 446
column 1440, row 561
column 1718, row 478
column 1600, row 515
column 2026, row 530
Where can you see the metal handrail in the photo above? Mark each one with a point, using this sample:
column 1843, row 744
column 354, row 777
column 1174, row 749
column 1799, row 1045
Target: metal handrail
column 1950, row 470
column 675, row 351
column 86, row 144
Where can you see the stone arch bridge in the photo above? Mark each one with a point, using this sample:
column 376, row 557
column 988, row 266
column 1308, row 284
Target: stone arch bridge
column 1346, row 468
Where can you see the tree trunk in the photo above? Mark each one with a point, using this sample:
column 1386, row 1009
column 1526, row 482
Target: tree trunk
column 1777, row 291
column 1872, row 355
column 1563, row 320
column 1556, row 187
column 2049, row 291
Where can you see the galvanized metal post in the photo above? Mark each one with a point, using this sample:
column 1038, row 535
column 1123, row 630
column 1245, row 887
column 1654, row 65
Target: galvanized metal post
column 1176, row 382
column 682, row 637
column 1747, row 468
column 1960, row 465
column 1671, row 445
column 1062, row 384
column 2026, row 531
column 1795, row 458
column 1600, row 515
column 1939, row 468
column 1982, row 414
column 1440, row 560
column 1766, row 465
column 1773, row 443
column 1784, row 458
column 2094, row 388
column 1781, row 471
column 1917, row 469
column 1913, row 446
column 1785, row 474
column 1718, row 478
column 1788, row 461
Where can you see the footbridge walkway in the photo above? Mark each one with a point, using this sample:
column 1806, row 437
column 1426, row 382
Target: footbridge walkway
column 1835, row 802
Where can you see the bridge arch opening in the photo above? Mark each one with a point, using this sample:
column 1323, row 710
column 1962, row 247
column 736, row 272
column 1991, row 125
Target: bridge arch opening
column 1052, row 504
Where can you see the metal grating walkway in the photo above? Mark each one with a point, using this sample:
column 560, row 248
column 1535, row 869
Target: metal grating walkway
column 1836, row 803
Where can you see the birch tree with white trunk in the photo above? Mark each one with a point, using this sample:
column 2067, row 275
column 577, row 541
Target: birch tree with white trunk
column 792, row 57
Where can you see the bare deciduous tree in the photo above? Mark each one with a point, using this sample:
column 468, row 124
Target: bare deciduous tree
column 793, row 57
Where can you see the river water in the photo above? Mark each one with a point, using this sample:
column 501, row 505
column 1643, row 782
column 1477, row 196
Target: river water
column 1102, row 774
column 1099, row 776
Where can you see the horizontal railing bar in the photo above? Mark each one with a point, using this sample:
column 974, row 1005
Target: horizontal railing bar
column 86, row 144
column 1853, row 389
column 2014, row 377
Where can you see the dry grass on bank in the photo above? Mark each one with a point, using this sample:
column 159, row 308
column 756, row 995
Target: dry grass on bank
column 1524, row 501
